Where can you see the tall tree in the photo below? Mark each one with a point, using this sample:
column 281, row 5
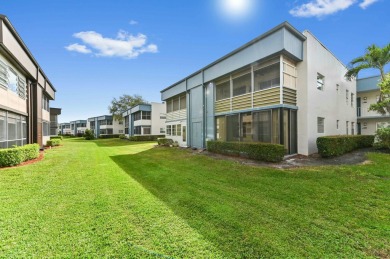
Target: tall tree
column 124, row 103
column 377, row 58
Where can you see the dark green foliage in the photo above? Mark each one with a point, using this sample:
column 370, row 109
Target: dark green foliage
column 164, row 142
column 122, row 136
column 330, row 146
column 255, row 150
column 53, row 142
column 109, row 136
column 57, row 137
column 383, row 138
column 17, row 155
column 89, row 135
column 145, row 138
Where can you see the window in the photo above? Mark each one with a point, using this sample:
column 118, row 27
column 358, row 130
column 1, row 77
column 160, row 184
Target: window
column 162, row 116
column 169, row 130
column 137, row 130
column 173, row 130
column 267, row 77
column 137, row 116
column 178, row 130
column 183, row 102
column 246, row 127
column 346, row 127
column 320, row 82
column 320, row 125
column 146, row 115
column 220, row 128
column 184, row 133
column 176, row 104
column 337, row 88
column 12, row 80
column 346, row 96
column 45, row 103
column 146, row 130
column 242, row 84
column 337, row 124
column 352, row 97
column 45, row 129
column 223, row 90
column 120, row 131
column 169, row 106
column 353, row 128
column 162, row 130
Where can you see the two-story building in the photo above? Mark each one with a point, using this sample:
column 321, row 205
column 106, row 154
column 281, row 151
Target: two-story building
column 368, row 93
column 78, row 127
column 25, row 92
column 105, row 125
column 65, row 128
column 145, row 119
column 283, row 87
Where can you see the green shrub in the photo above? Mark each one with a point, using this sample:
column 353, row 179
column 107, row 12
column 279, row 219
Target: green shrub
column 122, row 136
column 145, row 138
column 57, row 137
column 253, row 150
column 330, row 146
column 17, row 155
column 53, row 142
column 382, row 138
column 164, row 142
column 89, row 135
column 109, row 136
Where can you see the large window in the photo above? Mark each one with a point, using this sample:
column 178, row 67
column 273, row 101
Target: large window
column 13, row 129
column 233, row 128
column 263, row 126
column 137, row 130
column 246, row 127
column 146, row 115
column 221, row 128
column 45, row 129
column 223, row 89
column 175, row 104
column 146, row 130
column 45, row 103
column 267, row 77
column 137, row 116
column 242, row 83
column 11, row 80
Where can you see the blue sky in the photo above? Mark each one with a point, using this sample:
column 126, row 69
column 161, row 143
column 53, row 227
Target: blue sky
column 93, row 51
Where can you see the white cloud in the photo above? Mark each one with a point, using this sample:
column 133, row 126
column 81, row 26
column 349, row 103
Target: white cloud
column 125, row 45
column 366, row 3
column 133, row 22
column 320, row 8
column 78, row 48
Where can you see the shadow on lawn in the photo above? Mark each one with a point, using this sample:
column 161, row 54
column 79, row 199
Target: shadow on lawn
column 192, row 195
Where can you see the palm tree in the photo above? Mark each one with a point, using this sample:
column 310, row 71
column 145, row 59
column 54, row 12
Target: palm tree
column 375, row 57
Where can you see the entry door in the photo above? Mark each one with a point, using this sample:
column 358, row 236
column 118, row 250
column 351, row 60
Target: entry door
column 196, row 134
column 359, row 128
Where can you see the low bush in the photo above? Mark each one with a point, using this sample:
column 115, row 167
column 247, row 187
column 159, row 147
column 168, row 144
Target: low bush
column 145, row 138
column 17, row 155
column 254, row 150
column 57, row 137
column 123, row 136
column 89, row 135
column 164, row 142
column 330, row 146
column 382, row 138
column 53, row 142
column 109, row 136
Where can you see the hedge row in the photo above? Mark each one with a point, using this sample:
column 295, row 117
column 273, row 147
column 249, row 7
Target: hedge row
column 164, row 142
column 53, row 142
column 254, row 150
column 109, row 136
column 17, row 155
column 330, row 146
column 57, row 137
column 145, row 138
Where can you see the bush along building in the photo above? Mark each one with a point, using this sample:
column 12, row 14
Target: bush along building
column 368, row 93
column 25, row 92
column 145, row 119
column 105, row 126
column 283, row 87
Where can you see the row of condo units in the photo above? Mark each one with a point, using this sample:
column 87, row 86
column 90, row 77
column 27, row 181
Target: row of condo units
column 142, row 119
column 283, row 87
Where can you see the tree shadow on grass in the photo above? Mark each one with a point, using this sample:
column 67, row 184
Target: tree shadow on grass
column 208, row 202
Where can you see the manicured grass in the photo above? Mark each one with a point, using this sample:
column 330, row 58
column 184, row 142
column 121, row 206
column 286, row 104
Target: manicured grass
column 117, row 198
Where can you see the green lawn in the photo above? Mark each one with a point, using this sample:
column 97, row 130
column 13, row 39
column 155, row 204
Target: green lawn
column 115, row 198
